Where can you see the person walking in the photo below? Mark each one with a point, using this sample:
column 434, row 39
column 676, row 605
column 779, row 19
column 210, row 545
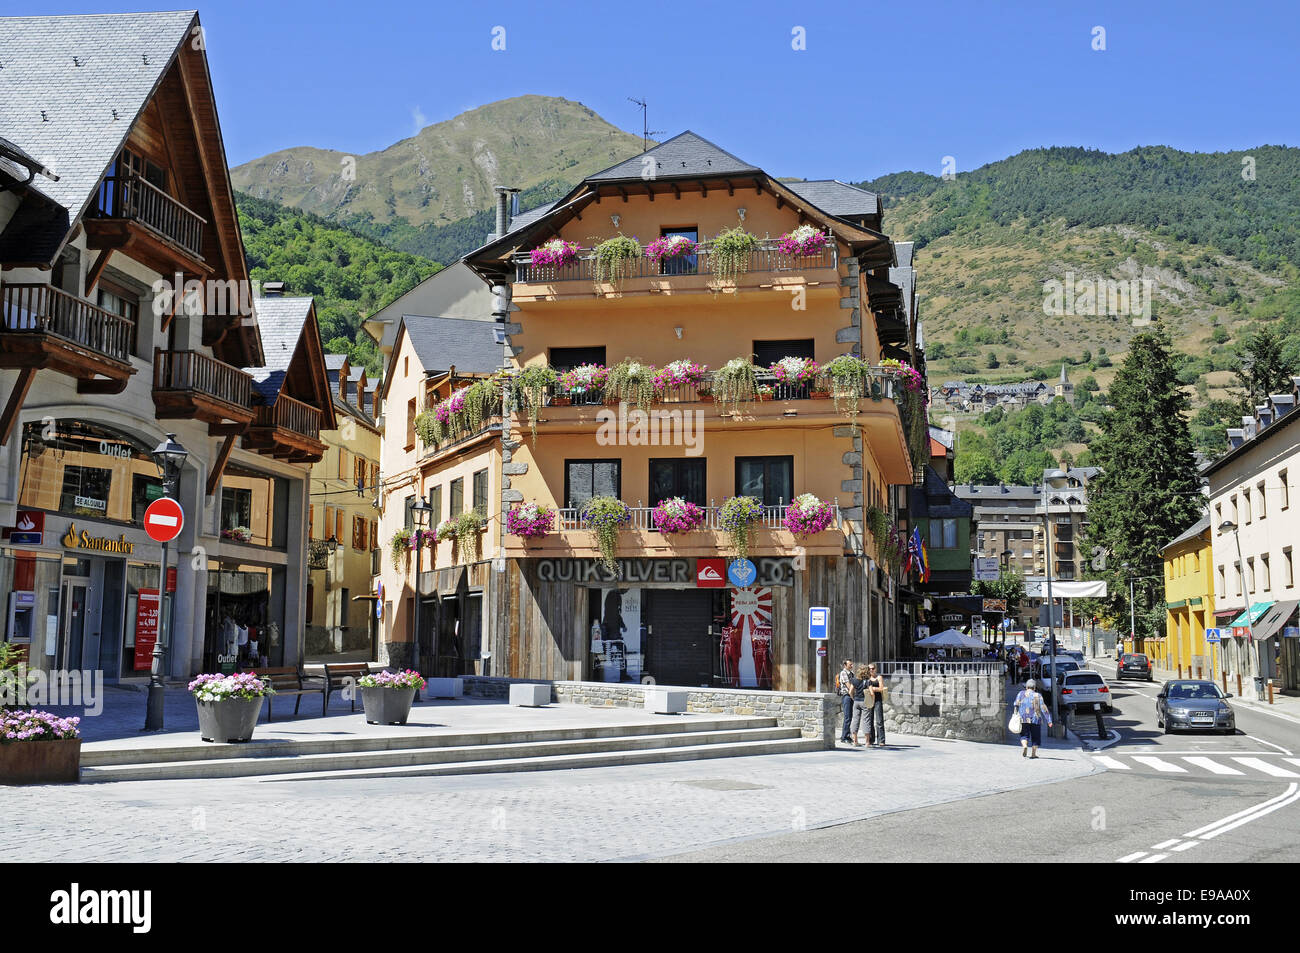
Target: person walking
column 843, row 684
column 875, row 707
column 861, row 704
column 1033, row 712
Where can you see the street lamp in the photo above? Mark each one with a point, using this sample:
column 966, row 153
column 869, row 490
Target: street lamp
column 331, row 547
column 420, row 512
column 169, row 456
column 1228, row 526
column 1055, row 479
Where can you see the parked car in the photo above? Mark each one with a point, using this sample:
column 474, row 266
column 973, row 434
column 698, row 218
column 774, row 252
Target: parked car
column 1048, row 678
column 1133, row 665
column 1194, row 703
column 1083, row 689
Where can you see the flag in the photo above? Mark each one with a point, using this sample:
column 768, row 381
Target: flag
column 918, row 559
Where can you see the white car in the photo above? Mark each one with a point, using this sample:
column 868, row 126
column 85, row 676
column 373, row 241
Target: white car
column 1082, row 689
column 1046, row 679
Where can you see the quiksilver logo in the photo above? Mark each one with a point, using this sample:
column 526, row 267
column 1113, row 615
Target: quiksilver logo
column 709, row 574
column 97, row 907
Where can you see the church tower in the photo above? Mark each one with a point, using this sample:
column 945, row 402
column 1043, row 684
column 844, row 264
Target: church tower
column 1063, row 387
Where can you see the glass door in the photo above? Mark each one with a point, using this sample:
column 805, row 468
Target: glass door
column 72, row 613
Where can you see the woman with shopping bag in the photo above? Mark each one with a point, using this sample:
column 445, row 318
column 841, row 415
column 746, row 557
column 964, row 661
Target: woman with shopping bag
column 1027, row 717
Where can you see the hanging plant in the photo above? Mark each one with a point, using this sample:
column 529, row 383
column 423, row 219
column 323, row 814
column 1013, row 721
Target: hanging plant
column 585, row 379
column 681, row 373
column 670, row 246
column 795, row 371
column 735, row 384
column 888, row 548
column 611, row 260
column 632, row 381
column 911, row 407
column 399, row 548
column 555, row 254
column 807, row 515
column 429, row 428
column 446, row 530
column 676, row 515
column 729, row 255
column 606, row 515
column 482, row 400
column 530, row 521
column 909, row 376
column 467, row 528
column 531, row 385
column 737, row 517
column 848, row 378
column 802, row 242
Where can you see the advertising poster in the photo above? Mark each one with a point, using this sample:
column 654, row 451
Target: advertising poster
column 146, row 628
column 747, row 643
column 619, row 652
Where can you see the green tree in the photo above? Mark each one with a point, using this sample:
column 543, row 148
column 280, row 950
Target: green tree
column 1147, row 492
column 1262, row 370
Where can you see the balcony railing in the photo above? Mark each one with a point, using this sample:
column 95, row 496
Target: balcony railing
column 764, row 259
column 290, row 414
column 191, row 371
column 44, row 308
column 131, row 197
column 883, row 384
column 570, row 518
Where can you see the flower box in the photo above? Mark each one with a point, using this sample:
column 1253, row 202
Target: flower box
column 820, row 394
column 387, row 706
column 561, row 400
column 230, row 721
column 41, row 762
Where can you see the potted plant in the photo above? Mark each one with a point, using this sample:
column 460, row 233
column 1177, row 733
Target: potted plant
column 584, row 380
column 888, row 547
column 766, row 392
column 681, row 373
column 554, row 254
column 795, row 372
column 808, row 516
column 736, row 383
column 803, row 242
column 229, row 705
column 729, row 255
column 530, row 521
column 676, row 515
column 387, row 696
column 240, row 534
column 611, row 260
column 399, row 548
column 39, row 747
column 670, row 246
column 446, row 530
column 704, row 391
column 633, row 381
column 737, row 517
column 531, row 387
column 848, row 377
column 468, row 529
column 606, row 515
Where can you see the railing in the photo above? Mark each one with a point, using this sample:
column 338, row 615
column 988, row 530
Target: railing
column 33, row 307
column 764, row 259
column 570, row 518
column 131, row 197
column 960, row 669
column 290, row 414
column 882, row 383
column 189, row 370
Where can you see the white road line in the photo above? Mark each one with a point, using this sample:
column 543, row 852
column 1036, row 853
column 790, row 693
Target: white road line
column 1209, row 764
column 1108, row 762
column 1295, row 761
column 1185, row 845
column 1259, row 764
column 1270, row 744
column 1153, row 859
column 1294, row 796
column 1167, row 844
column 1160, row 764
column 1280, row 799
column 1131, row 857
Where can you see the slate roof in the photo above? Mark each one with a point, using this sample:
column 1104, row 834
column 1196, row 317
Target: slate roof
column 63, row 113
column 281, row 322
column 685, row 155
column 532, row 215
column 995, row 494
column 441, row 343
column 335, row 362
column 837, row 198
column 1196, row 529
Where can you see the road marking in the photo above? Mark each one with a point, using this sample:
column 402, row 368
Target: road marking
column 1160, row 764
column 1186, row 845
column 1131, row 857
column 1167, row 844
column 1108, row 762
column 1153, row 859
column 1269, row 743
column 1249, row 814
column 1210, row 764
column 1295, row 761
column 1259, row 764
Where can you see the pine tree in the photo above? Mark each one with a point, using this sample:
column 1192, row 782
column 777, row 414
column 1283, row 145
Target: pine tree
column 1148, row 492
column 1262, row 372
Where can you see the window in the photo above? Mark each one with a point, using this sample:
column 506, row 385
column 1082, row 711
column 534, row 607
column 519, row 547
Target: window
column 768, row 479
column 481, row 492
column 767, row 353
column 338, row 524
column 360, row 533
column 236, row 508
column 567, row 358
column 1236, row 513
column 1286, row 492
column 435, row 503
column 1218, row 518
column 1250, row 574
column 1288, row 571
column 584, row 479
column 1245, row 504
column 457, row 498
column 359, row 470
column 343, row 464
column 1223, row 583
column 410, row 424
column 1266, row 576
column 311, row 521
column 1263, row 505
column 327, row 527
column 682, row 264
column 1237, row 568
column 408, row 518
column 124, row 304
column 943, row 534
column 677, row 477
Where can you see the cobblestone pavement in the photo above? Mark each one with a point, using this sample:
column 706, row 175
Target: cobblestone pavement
column 594, row 814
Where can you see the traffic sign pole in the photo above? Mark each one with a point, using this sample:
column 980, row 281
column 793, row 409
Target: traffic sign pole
column 163, row 521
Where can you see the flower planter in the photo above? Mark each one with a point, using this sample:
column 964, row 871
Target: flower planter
column 705, row 398
column 820, row 394
column 762, row 396
column 387, row 706
column 41, row 762
column 229, row 721
column 564, row 401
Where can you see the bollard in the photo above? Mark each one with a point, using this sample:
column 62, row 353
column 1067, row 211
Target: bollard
column 1102, row 733
column 1238, row 684
column 1270, row 691
column 1225, row 682
column 1200, row 672
column 1180, row 669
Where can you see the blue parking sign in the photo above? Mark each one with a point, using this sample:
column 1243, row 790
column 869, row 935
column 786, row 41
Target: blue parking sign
column 819, row 623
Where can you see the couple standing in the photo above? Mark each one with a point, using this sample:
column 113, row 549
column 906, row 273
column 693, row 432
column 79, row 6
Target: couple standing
column 862, row 696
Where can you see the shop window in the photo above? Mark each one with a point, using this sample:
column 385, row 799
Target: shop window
column 81, row 469
column 584, row 479
column 457, row 497
column 768, row 479
column 678, row 477
column 481, row 492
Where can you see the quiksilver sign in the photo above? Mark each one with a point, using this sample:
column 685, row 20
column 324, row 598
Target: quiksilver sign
column 772, row 571
column 104, row 544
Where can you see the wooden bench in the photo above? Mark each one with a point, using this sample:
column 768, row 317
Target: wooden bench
column 289, row 681
column 337, row 675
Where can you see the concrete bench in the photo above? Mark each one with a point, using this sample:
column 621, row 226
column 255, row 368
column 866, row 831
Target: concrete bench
column 529, row 695
column 666, row 701
column 444, row 688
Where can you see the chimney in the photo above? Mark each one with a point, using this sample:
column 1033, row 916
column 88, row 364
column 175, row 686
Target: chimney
column 504, row 198
column 273, row 289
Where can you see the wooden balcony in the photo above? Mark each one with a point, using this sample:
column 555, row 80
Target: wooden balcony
column 160, row 230
column 43, row 327
column 288, row 430
column 189, row 385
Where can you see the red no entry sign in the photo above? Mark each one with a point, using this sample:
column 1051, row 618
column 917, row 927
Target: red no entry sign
column 163, row 520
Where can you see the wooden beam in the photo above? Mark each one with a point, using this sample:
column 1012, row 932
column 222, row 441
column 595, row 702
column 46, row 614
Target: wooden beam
column 219, row 464
column 226, row 430
column 623, row 192
column 16, row 398
column 97, row 269
column 731, row 188
column 704, row 188
column 111, row 385
column 780, row 204
column 676, row 191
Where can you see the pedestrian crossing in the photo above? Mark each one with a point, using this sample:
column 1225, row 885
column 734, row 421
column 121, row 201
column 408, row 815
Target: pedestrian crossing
column 1246, row 767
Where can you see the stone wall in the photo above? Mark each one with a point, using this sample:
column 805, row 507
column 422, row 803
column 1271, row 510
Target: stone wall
column 969, row 708
column 816, row 716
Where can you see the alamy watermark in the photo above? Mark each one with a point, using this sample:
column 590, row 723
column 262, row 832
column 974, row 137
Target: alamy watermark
column 653, row 428
column 1095, row 297
column 80, row 689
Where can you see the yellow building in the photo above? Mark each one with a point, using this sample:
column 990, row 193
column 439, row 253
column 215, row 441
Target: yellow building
column 1189, row 603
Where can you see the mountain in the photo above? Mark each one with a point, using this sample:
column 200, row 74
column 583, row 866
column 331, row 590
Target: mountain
column 443, row 176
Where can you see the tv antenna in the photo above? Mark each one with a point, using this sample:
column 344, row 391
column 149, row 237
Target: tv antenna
column 646, row 131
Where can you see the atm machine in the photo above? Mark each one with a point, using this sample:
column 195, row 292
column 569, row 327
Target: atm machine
column 20, row 620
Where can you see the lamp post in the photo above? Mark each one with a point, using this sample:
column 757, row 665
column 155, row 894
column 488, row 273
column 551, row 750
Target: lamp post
column 331, row 547
column 1006, row 569
column 420, row 513
column 169, row 456
column 1132, row 614
column 1228, row 526
column 1053, row 478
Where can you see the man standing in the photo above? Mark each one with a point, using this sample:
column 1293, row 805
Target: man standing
column 846, row 700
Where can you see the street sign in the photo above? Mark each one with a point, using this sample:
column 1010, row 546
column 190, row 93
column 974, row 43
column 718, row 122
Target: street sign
column 821, row 651
column 922, row 631
column 986, row 569
column 1211, row 635
column 819, row 621
column 742, row 573
column 1291, row 632
column 163, row 520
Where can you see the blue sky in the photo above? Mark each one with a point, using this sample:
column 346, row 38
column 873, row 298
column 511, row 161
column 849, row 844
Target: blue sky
column 879, row 88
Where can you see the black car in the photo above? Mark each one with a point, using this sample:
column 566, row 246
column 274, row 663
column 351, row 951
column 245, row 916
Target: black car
column 1194, row 703
column 1133, row 665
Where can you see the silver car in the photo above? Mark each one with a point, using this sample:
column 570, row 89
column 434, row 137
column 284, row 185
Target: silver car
column 1192, row 704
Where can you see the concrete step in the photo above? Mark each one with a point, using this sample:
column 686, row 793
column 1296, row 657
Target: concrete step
column 443, row 755
column 279, row 748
